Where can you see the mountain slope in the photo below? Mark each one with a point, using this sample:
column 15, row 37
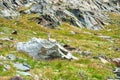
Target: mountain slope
column 87, row 40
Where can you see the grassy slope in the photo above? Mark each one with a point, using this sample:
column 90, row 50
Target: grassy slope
column 83, row 69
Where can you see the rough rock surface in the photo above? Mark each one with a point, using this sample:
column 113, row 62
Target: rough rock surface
column 117, row 73
column 44, row 49
column 117, row 62
column 91, row 14
column 22, row 67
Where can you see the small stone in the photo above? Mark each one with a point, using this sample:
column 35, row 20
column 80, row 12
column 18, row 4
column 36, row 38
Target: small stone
column 11, row 57
column 6, row 39
column 117, row 73
column 7, row 67
column 117, row 70
column 68, row 47
column 84, row 53
column 23, row 73
column 34, row 33
column 87, row 33
column 79, row 52
column 20, row 66
column 106, row 37
column 72, row 32
column 11, row 38
column 116, row 48
column 87, row 53
column 103, row 60
column 25, row 64
column 36, row 77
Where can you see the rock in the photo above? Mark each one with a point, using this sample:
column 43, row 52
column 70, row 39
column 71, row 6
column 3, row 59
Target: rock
column 49, row 21
column 116, row 48
column 117, row 70
column 14, row 32
column 11, row 38
column 42, row 7
column 36, row 77
column 25, row 12
column 72, row 32
column 24, row 73
column 105, row 37
column 6, row 39
column 20, row 66
column 84, row 53
column 34, row 33
column 103, row 60
column 16, row 78
column 87, row 33
column 68, row 47
column 117, row 61
column 87, row 53
column 44, row 49
column 7, row 67
column 11, row 56
column 117, row 73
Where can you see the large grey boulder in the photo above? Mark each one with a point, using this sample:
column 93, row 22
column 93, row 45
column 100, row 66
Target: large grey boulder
column 44, row 49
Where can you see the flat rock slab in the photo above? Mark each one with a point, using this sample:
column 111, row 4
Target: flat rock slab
column 20, row 66
column 11, row 56
column 24, row 73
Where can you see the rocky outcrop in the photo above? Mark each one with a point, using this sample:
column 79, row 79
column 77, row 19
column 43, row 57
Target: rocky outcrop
column 91, row 14
column 7, row 9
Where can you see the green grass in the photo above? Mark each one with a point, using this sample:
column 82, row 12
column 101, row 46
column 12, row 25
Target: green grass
column 86, row 68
